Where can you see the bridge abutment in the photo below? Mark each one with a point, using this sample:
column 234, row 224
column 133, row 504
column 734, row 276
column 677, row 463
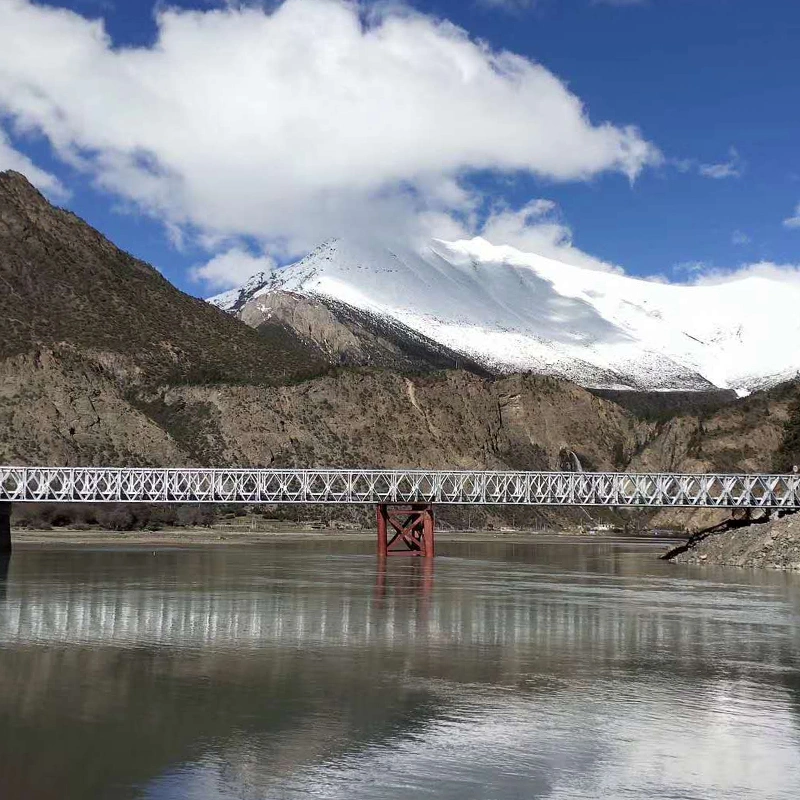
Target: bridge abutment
column 407, row 530
column 5, row 527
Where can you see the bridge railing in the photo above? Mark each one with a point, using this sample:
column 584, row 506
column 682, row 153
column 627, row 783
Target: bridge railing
column 145, row 485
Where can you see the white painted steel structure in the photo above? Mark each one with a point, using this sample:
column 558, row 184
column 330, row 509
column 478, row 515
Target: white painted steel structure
column 114, row 485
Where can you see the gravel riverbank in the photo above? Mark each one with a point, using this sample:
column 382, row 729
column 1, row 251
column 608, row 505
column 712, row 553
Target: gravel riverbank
column 770, row 545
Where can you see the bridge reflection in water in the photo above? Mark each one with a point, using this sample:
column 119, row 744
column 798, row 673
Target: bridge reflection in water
column 400, row 611
column 269, row 675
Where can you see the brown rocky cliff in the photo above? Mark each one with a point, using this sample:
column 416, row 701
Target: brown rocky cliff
column 743, row 436
column 357, row 418
column 58, row 407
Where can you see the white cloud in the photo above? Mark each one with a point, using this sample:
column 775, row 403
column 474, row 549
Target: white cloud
column 231, row 268
column 683, row 164
column 10, row 158
column 313, row 120
column 690, row 269
column 740, row 238
column 732, row 168
column 535, row 228
column 785, row 273
column 794, row 220
column 701, row 273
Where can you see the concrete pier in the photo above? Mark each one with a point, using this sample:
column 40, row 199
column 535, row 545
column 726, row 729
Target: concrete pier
column 5, row 528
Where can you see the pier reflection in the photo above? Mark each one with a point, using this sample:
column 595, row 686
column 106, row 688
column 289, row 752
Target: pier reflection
column 5, row 565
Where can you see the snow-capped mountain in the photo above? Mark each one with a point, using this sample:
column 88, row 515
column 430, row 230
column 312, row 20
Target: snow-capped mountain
column 512, row 311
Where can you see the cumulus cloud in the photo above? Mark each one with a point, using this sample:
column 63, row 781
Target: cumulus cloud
column 794, row 220
column 231, row 268
column 536, row 228
column 10, row 158
column 688, row 271
column 732, row 168
column 295, row 123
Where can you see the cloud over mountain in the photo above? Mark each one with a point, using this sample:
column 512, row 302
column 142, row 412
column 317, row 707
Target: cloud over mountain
column 10, row 158
column 315, row 119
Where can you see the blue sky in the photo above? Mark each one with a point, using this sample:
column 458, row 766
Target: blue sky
column 416, row 127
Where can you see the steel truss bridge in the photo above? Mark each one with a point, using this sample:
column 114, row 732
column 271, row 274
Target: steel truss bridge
column 385, row 487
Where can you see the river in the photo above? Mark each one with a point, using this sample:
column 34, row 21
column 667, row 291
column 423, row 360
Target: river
column 554, row 669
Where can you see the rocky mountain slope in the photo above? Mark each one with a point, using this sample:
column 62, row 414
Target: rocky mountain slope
column 56, row 409
column 345, row 335
column 63, row 282
column 511, row 311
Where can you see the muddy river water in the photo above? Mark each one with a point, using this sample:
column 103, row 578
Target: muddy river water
column 555, row 668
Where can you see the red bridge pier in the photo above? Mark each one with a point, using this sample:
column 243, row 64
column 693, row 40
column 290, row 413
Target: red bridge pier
column 5, row 528
column 406, row 530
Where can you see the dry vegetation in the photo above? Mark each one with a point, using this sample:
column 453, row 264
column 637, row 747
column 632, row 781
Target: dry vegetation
column 64, row 282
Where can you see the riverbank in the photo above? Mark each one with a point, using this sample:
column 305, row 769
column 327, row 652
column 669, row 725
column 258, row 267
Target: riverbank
column 229, row 535
column 767, row 545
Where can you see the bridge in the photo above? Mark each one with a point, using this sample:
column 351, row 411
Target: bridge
column 404, row 498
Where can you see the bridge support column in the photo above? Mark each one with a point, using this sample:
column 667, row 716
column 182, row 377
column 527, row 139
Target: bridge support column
column 5, row 528
column 406, row 530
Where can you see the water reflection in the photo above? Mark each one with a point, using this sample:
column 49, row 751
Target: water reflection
column 272, row 674
column 592, row 617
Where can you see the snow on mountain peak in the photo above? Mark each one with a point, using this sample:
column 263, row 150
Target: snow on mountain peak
column 516, row 311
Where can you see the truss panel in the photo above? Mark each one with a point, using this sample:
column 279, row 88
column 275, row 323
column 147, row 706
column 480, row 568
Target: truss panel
column 113, row 485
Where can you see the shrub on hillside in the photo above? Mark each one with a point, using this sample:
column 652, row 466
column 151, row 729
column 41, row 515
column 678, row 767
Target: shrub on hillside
column 202, row 516
column 163, row 516
column 789, row 453
column 116, row 518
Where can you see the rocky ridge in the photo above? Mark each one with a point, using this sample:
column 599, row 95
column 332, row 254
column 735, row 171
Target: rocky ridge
column 344, row 335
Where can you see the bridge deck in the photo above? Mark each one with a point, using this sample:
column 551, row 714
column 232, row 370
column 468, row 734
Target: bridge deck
column 114, row 485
